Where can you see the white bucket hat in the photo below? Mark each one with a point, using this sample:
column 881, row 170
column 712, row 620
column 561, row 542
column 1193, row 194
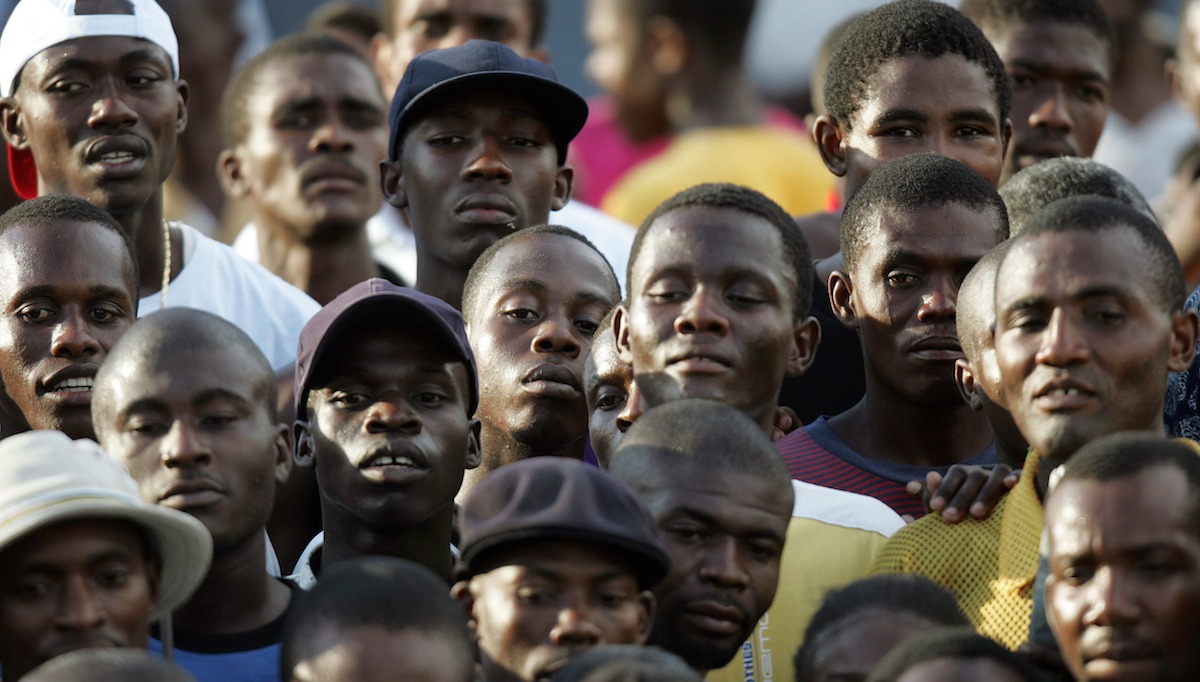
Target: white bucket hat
column 47, row 478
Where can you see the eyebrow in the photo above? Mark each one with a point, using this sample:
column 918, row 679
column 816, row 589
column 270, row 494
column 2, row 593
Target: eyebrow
column 710, row 520
column 1041, row 67
column 897, row 115
column 48, row 290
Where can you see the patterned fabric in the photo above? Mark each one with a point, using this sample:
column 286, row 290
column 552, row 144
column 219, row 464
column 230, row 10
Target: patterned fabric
column 989, row 565
column 1181, row 411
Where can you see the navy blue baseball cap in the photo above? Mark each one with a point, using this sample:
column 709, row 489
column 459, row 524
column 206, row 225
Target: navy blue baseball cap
column 481, row 65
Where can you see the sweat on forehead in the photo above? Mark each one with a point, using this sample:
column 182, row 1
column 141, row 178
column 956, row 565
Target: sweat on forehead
column 906, row 28
column 911, row 183
column 725, row 196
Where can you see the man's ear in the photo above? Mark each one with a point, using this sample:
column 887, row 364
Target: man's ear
column 234, row 182
column 14, row 125
column 282, row 444
column 620, row 323
column 305, row 456
column 474, row 451
column 828, row 135
column 841, row 297
column 964, row 377
column 389, row 182
column 1185, row 326
column 461, row 592
column 807, row 337
column 181, row 114
column 649, row 608
column 564, row 183
column 1008, row 134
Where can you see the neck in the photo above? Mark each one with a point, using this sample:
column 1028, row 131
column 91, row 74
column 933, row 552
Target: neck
column 427, row 543
column 440, row 279
column 235, row 571
column 499, row 447
column 720, row 97
column 145, row 228
column 893, row 428
column 321, row 267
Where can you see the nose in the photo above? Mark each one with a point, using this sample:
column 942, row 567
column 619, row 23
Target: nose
column 487, row 162
column 110, row 110
column 635, row 405
column 574, row 627
column 724, row 564
column 1113, row 602
column 556, row 334
column 1061, row 344
column 1052, row 111
column 939, row 302
column 73, row 338
column 78, row 608
column 701, row 314
column 183, row 447
column 331, row 136
column 392, row 414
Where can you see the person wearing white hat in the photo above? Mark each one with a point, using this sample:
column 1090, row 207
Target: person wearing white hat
column 92, row 104
column 84, row 562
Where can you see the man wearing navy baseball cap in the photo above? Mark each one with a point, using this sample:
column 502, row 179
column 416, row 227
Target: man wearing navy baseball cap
column 384, row 393
column 478, row 150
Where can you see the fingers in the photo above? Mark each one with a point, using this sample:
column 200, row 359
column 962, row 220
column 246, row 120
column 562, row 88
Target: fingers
column 991, row 492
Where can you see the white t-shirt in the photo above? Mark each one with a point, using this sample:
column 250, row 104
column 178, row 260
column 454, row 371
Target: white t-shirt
column 217, row 280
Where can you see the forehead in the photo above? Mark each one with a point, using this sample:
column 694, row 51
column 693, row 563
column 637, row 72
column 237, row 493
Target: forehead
column 939, row 89
column 64, row 253
column 712, row 239
column 1051, row 45
column 513, row 10
column 557, row 264
column 952, row 231
column 58, row 542
column 1152, row 505
column 96, row 51
column 604, row 357
column 182, row 373
column 1063, row 266
column 741, row 502
column 330, row 76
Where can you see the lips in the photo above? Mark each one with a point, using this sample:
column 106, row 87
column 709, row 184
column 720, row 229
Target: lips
column 552, row 381
column 332, row 174
column 717, row 617
column 394, row 465
column 937, row 347
column 1034, row 151
column 120, row 154
column 700, row 361
column 1119, row 651
column 486, row 209
column 190, row 493
column 1063, row 393
column 71, row 385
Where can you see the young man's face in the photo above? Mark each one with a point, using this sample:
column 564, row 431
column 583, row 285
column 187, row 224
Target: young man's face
column 74, row 585
column 101, row 116
column 423, row 25
column 371, row 653
column 621, row 65
column 1083, row 341
column 913, row 104
column 1123, row 591
column 901, row 291
column 1060, row 76
column 607, row 382
column 711, row 302
column 475, row 168
column 316, row 130
column 66, row 295
column 549, row 601
column 198, row 433
column 531, row 329
column 725, row 535
column 388, row 429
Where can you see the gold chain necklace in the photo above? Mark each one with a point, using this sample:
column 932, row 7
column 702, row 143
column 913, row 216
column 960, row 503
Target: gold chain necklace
column 166, row 277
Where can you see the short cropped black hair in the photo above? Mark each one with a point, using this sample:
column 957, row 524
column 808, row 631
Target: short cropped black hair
column 1098, row 214
column 375, row 592
column 483, row 263
column 718, row 196
column 892, row 593
column 45, row 211
column 910, row 183
column 1031, row 188
column 1088, row 14
column 703, row 433
column 717, row 26
column 906, row 28
column 537, row 19
column 234, row 122
column 1121, row 455
column 941, row 643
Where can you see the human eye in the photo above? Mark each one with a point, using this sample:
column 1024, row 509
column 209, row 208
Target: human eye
column 686, row 533
column 611, row 399
column 349, row 400
column 534, row 595
column 1076, row 573
column 494, row 30
column 434, row 27
column 36, row 313
column 972, row 131
column 1106, row 314
column 613, row 598
column 218, row 419
column 1020, row 79
column 66, row 86
column 667, row 291
column 587, row 327
column 901, row 279
column 1092, row 93
column 107, row 313
column 522, row 314
column 143, row 78
column 431, row 398
column 898, row 131
column 524, row 142
column 763, row 550
column 364, row 119
column 147, row 428
column 114, row 576
column 1028, row 321
column 33, row 588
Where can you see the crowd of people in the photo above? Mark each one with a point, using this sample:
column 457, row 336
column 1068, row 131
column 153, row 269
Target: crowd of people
column 901, row 391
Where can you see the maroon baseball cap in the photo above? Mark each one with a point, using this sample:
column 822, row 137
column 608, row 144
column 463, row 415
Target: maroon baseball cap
column 558, row 498
column 376, row 298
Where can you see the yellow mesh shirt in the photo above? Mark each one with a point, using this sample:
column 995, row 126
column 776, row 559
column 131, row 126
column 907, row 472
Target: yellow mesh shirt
column 989, row 565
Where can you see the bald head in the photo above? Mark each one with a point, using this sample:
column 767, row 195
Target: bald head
column 107, row 665
column 976, row 304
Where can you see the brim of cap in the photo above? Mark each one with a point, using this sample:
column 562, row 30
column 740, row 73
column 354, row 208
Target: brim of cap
column 23, row 173
column 183, row 542
column 565, row 110
column 650, row 563
column 375, row 301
